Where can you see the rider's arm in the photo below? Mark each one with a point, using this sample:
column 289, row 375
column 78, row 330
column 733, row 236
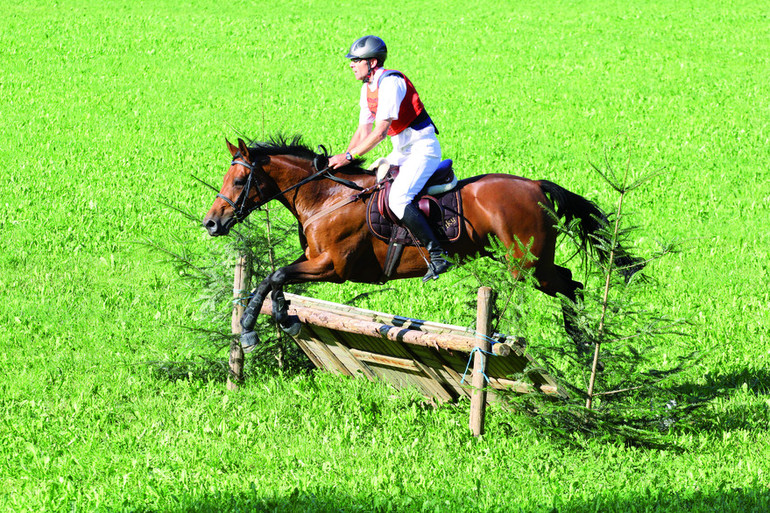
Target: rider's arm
column 361, row 133
column 364, row 140
column 370, row 133
column 375, row 137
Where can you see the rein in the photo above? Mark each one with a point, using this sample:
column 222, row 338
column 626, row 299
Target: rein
column 341, row 203
column 322, row 171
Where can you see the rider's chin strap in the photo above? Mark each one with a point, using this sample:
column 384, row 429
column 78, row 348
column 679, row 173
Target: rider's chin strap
column 371, row 71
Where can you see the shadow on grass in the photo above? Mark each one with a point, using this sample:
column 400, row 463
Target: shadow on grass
column 755, row 380
column 651, row 416
column 728, row 412
column 744, row 500
column 709, row 407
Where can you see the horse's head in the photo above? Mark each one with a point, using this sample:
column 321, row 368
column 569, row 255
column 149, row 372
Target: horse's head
column 240, row 194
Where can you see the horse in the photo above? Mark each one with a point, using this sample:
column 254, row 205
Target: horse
column 338, row 245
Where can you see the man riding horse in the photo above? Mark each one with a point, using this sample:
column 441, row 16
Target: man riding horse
column 391, row 106
column 338, row 244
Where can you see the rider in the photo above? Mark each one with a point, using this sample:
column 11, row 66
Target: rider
column 389, row 99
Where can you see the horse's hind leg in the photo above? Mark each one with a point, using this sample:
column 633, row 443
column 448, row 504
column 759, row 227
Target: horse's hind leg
column 557, row 280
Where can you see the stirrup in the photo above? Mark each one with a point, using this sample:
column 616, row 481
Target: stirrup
column 435, row 268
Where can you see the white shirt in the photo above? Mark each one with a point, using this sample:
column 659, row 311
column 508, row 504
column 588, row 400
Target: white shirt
column 392, row 92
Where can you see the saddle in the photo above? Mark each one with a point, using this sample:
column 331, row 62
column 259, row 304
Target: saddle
column 439, row 201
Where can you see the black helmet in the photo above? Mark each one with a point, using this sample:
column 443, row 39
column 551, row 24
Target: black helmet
column 368, row 47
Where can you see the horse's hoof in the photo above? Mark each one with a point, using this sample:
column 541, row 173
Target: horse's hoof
column 249, row 341
column 292, row 326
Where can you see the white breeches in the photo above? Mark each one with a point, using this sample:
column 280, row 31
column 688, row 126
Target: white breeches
column 418, row 160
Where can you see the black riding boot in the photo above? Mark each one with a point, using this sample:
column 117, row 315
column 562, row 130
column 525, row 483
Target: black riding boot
column 419, row 227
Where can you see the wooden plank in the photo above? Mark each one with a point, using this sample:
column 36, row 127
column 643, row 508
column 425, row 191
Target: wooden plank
column 328, row 342
column 352, row 358
column 403, row 377
column 423, row 377
column 432, row 381
column 320, row 348
column 401, row 363
column 403, row 351
column 379, row 317
column 433, row 365
column 304, row 345
column 360, row 342
column 356, row 313
column 337, row 321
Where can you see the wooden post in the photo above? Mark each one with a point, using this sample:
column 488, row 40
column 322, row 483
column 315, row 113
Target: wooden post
column 240, row 292
column 486, row 301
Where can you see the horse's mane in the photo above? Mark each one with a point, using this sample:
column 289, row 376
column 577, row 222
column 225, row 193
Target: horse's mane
column 283, row 145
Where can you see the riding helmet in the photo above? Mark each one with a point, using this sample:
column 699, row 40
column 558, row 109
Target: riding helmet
column 368, row 47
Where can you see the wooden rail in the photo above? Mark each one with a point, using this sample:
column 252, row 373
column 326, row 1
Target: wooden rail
column 406, row 352
column 442, row 361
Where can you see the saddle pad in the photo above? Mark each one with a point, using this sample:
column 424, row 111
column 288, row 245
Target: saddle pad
column 444, row 213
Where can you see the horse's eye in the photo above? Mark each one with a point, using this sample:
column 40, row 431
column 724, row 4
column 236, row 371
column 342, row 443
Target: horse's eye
column 239, row 182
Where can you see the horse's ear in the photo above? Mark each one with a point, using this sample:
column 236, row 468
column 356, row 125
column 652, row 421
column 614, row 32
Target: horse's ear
column 233, row 149
column 243, row 148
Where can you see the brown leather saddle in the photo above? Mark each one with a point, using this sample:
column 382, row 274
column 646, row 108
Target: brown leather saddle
column 439, row 201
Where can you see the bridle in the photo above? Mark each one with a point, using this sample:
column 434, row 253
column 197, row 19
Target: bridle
column 241, row 211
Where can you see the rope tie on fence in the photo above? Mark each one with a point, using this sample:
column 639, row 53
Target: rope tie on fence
column 243, row 297
column 470, row 360
column 492, row 341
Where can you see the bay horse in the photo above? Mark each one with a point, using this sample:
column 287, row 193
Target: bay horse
column 338, row 245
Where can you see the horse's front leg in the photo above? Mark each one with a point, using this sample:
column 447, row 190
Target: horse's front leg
column 280, row 305
column 249, row 338
column 291, row 325
column 302, row 270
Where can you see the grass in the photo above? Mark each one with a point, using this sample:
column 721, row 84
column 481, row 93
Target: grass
column 108, row 108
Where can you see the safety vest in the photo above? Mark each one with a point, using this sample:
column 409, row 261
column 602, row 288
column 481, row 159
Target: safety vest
column 411, row 107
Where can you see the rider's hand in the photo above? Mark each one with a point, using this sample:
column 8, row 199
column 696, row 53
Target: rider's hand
column 338, row 161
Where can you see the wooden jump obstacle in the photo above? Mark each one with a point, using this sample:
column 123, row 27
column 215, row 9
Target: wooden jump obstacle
column 432, row 357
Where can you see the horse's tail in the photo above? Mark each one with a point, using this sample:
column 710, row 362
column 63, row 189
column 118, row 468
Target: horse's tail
column 592, row 227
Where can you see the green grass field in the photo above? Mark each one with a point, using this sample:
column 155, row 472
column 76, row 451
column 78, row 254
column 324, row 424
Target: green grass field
column 108, row 108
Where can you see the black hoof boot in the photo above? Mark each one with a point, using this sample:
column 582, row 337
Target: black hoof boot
column 291, row 326
column 249, row 341
column 248, row 320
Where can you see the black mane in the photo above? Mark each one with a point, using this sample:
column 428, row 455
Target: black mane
column 282, row 145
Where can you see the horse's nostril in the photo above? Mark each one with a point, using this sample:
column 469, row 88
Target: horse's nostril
column 211, row 225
